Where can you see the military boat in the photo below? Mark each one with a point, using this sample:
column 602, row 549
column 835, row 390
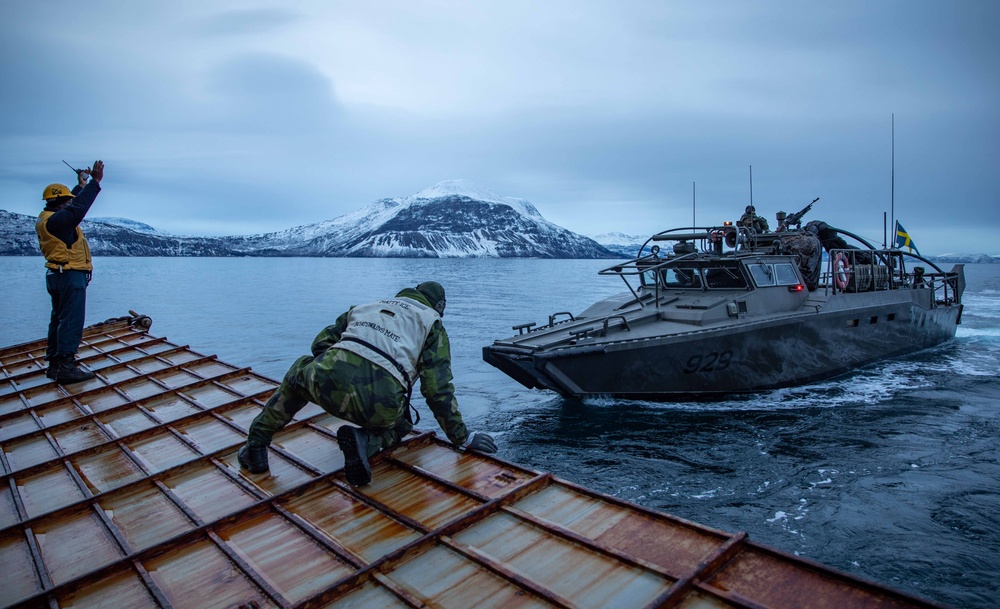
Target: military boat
column 721, row 310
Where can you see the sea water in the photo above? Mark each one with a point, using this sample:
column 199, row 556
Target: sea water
column 891, row 472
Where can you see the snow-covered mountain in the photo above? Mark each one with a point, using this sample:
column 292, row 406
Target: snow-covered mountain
column 622, row 244
column 452, row 219
column 138, row 227
column 966, row 258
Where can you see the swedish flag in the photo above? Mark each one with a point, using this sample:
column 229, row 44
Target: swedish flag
column 903, row 239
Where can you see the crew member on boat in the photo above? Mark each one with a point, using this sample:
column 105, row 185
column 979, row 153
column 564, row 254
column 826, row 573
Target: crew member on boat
column 69, row 269
column 750, row 219
column 362, row 369
column 808, row 251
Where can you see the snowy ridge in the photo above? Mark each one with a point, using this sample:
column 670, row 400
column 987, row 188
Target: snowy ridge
column 626, row 245
column 324, row 234
column 465, row 188
column 968, row 258
column 456, row 218
column 134, row 225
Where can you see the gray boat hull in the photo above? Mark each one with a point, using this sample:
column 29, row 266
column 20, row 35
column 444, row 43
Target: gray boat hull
column 750, row 357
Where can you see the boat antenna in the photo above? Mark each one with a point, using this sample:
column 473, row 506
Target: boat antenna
column 694, row 205
column 751, row 186
column 892, row 178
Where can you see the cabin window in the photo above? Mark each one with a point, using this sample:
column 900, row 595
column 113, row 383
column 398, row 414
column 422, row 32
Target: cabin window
column 725, row 278
column 679, row 277
column 765, row 275
column 784, row 273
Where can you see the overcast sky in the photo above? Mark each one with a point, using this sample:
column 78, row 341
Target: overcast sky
column 226, row 117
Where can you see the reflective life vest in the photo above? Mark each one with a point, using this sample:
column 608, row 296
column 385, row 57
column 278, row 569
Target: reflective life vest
column 58, row 256
column 391, row 334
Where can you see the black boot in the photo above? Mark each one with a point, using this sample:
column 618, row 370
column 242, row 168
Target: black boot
column 254, row 458
column 354, row 443
column 54, row 362
column 69, row 372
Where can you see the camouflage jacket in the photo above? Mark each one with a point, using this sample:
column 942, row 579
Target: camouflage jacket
column 758, row 223
column 434, row 369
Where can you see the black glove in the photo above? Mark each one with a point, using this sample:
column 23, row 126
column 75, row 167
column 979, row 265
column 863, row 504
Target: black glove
column 480, row 442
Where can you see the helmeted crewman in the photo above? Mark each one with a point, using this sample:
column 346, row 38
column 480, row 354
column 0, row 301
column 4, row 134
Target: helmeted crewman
column 68, row 269
column 750, row 219
column 362, row 369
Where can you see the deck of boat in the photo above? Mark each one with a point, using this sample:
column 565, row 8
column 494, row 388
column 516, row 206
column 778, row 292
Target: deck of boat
column 124, row 491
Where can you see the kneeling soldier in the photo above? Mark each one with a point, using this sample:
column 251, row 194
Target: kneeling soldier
column 362, row 369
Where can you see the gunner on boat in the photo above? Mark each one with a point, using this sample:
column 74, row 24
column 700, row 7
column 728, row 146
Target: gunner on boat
column 362, row 369
column 750, row 219
column 69, row 268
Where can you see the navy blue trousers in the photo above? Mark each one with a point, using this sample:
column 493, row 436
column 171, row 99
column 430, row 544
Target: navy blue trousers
column 69, row 303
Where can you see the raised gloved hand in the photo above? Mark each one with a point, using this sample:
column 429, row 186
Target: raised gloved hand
column 480, row 442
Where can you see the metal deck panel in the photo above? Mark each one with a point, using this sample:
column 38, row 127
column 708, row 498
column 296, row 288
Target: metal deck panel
column 124, row 491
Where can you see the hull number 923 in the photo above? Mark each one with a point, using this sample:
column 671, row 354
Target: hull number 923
column 709, row 362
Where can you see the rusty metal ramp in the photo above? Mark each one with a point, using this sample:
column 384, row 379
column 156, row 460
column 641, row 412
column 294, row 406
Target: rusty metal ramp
column 124, row 491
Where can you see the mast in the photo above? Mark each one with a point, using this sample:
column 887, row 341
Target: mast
column 694, row 205
column 892, row 178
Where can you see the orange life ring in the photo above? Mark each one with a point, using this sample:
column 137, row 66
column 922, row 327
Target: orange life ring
column 841, row 270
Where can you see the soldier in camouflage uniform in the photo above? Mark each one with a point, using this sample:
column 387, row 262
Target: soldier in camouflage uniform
column 750, row 219
column 362, row 369
column 808, row 252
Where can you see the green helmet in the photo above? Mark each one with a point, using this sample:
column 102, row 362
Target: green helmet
column 435, row 295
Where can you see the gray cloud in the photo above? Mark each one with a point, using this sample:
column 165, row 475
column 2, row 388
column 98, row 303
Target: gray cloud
column 215, row 119
column 242, row 22
column 269, row 95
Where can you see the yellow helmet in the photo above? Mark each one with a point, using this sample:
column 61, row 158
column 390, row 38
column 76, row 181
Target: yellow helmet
column 56, row 191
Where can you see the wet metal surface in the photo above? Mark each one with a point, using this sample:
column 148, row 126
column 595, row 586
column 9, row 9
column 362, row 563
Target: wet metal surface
column 124, row 491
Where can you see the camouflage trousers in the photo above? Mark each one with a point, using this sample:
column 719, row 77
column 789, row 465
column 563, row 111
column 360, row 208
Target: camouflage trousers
column 345, row 385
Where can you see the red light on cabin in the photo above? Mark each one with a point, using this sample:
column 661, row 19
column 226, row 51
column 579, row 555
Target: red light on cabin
column 795, row 288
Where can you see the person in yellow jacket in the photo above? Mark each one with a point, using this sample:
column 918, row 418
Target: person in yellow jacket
column 68, row 269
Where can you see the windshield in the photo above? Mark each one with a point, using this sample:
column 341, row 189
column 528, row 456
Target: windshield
column 725, row 278
column 781, row 273
column 681, row 277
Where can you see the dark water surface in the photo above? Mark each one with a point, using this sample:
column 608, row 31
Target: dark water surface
column 891, row 473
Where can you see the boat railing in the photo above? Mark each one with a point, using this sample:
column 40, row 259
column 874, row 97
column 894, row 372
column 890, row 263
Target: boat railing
column 530, row 327
column 651, row 263
column 947, row 286
column 868, row 270
column 851, row 269
column 711, row 239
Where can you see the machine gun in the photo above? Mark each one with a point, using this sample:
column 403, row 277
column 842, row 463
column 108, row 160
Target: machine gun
column 796, row 218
